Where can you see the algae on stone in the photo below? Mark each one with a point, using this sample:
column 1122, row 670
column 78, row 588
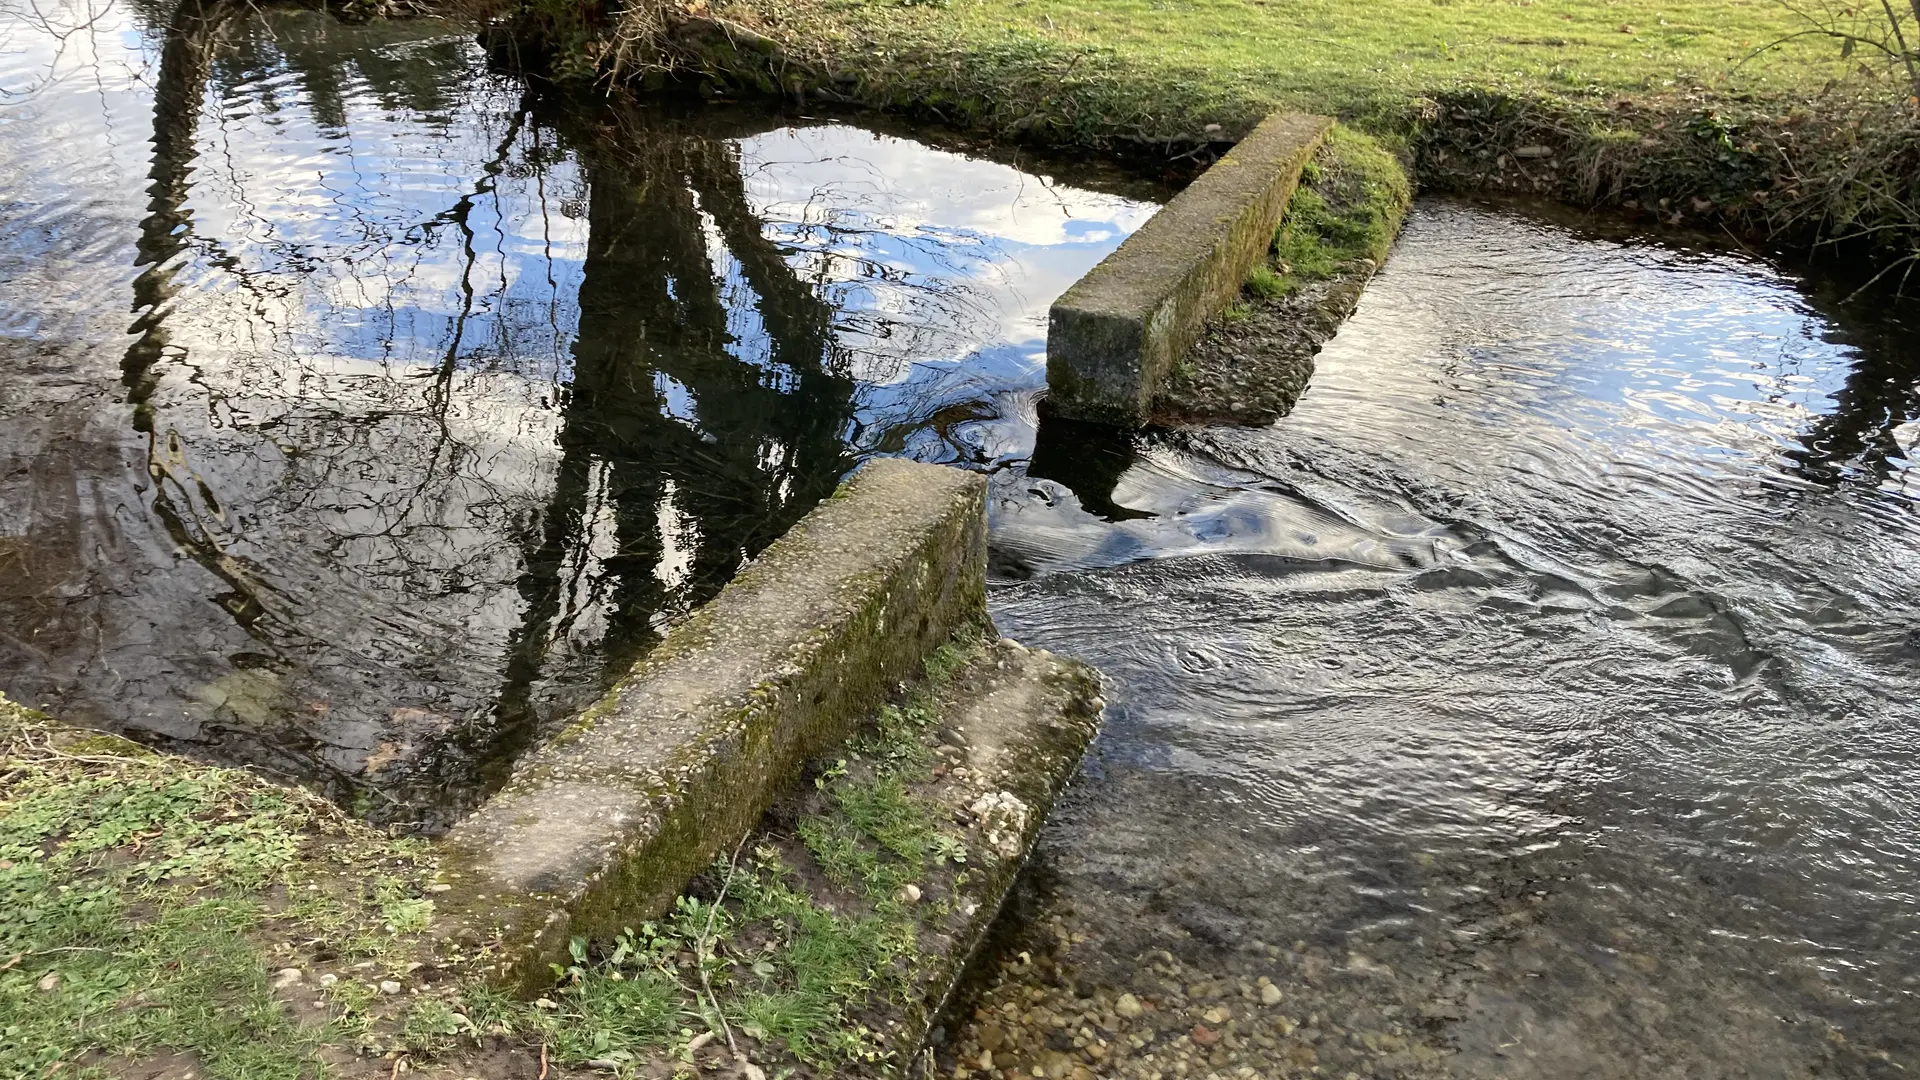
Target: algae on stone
column 1253, row 362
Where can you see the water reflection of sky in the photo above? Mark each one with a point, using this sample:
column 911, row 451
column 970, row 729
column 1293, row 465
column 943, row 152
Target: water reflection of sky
column 395, row 473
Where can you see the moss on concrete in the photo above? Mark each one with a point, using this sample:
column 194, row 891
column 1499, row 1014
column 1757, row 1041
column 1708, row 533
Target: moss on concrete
column 1114, row 334
column 1253, row 363
column 1347, row 210
column 163, row 916
column 602, row 828
column 828, row 941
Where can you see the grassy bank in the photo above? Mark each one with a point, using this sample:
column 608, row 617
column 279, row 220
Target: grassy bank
column 1676, row 108
column 160, row 917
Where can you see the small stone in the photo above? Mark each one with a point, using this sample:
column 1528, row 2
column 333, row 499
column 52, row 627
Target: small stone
column 1211, row 128
column 1269, row 994
column 752, row 1071
column 1128, row 1006
column 1217, row 1015
column 49, row 982
column 1203, row 1035
column 910, row 894
column 991, row 1036
column 388, row 986
column 286, row 977
column 986, row 1060
column 329, row 979
column 439, row 886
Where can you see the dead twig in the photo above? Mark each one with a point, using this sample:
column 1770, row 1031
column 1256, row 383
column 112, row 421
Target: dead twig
column 703, row 949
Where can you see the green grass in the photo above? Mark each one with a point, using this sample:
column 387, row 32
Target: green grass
column 141, row 897
column 1674, row 105
column 1340, row 56
column 1348, row 207
column 1229, row 61
column 145, row 902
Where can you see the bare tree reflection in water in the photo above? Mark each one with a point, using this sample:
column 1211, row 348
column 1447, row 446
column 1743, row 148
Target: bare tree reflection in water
column 684, row 446
column 441, row 402
column 681, row 457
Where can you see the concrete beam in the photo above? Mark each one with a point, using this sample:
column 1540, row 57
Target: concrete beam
column 1002, row 737
column 603, row 826
column 1113, row 337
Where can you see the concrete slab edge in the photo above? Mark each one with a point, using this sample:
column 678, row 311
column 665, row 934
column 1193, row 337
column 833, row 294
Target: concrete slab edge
column 604, row 826
column 1007, row 733
column 1113, row 336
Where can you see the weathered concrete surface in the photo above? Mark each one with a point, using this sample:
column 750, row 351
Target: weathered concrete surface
column 1113, row 336
column 605, row 825
column 1011, row 727
column 1016, row 727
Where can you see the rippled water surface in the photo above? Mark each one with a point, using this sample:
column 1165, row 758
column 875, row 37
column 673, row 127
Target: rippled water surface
column 1545, row 685
column 362, row 413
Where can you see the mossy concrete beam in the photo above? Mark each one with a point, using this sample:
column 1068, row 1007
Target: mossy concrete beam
column 1113, row 337
column 603, row 826
column 1007, row 734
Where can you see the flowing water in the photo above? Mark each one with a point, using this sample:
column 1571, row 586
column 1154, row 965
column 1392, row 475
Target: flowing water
column 1542, row 691
column 1536, row 700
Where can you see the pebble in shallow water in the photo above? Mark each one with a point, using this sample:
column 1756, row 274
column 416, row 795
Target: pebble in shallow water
column 1034, row 1017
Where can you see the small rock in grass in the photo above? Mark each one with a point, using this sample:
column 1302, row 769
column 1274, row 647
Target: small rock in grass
column 388, row 986
column 329, row 979
column 910, row 894
column 286, row 977
column 439, row 886
column 49, row 982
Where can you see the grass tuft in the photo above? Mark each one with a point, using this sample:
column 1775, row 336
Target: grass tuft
column 1348, row 208
column 134, row 891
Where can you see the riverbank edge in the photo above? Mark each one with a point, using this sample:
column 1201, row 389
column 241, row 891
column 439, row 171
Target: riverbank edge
column 1834, row 171
column 824, row 946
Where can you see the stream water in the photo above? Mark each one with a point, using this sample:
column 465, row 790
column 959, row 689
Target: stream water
column 363, row 413
column 1536, row 700
column 1542, row 690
